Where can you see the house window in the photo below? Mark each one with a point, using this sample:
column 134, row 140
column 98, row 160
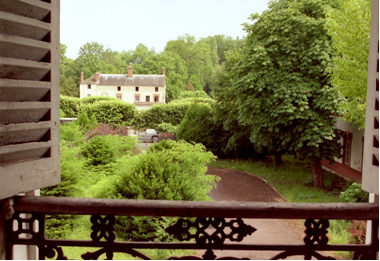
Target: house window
column 136, row 89
column 137, row 97
column 88, row 86
column 156, row 89
column 119, row 96
column 156, row 98
column 347, row 141
column 147, row 98
column 88, row 95
column 119, row 88
column 104, row 94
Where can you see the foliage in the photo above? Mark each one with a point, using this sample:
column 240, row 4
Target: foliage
column 160, row 113
column 166, row 127
column 69, row 106
column 225, row 112
column 198, row 126
column 349, row 27
column 85, row 122
column 194, row 99
column 355, row 194
column 283, row 90
column 111, row 112
column 169, row 170
column 59, row 226
column 98, row 152
column 93, row 99
column 194, row 94
column 104, row 129
column 358, row 231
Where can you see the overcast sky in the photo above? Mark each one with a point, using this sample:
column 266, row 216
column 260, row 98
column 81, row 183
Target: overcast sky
column 123, row 24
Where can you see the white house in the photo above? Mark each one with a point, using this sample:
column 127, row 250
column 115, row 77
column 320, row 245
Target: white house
column 142, row 90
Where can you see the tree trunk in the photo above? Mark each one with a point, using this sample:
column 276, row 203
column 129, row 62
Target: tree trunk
column 316, row 170
column 277, row 158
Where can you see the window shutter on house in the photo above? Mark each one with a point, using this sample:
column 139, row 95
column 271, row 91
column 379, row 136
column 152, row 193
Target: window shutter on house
column 29, row 95
column 370, row 180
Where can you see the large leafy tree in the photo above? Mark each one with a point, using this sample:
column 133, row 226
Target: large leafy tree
column 283, row 90
column 349, row 26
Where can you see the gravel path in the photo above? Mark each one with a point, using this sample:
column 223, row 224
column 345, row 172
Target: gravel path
column 238, row 186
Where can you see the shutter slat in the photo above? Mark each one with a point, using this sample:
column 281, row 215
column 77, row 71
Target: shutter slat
column 29, row 95
column 22, row 147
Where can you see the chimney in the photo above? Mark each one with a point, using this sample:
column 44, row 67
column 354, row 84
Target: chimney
column 164, row 71
column 81, row 76
column 97, row 77
column 130, row 72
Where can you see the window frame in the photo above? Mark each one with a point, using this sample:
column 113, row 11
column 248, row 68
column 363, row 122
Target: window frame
column 119, row 88
column 347, row 148
column 136, row 95
column 155, row 89
column 121, row 96
column 147, row 98
column 89, row 86
column 156, row 96
column 137, row 88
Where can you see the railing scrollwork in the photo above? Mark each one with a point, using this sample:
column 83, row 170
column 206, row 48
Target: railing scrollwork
column 206, row 226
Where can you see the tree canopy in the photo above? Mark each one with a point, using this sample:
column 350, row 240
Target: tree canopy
column 349, row 26
column 281, row 84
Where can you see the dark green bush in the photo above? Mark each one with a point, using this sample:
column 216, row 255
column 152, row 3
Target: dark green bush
column 198, row 126
column 98, row 152
column 167, row 171
column 69, row 106
column 111, row 112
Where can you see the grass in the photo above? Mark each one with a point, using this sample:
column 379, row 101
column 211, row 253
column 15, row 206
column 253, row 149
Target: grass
column 294, row 181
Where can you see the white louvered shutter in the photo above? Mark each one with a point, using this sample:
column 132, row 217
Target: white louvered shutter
column 29, row 95
column 370, row 180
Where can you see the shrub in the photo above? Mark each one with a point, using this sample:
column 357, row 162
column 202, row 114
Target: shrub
column 93, row 99
column 160, row 113
column 166, row 128
column 166, row 136
column 98, row 152
column 69, row 106
column 85, row 122
column 111, row 112
column 358, row 231
column 195, row 99
column 198, row 126
column 58, row 226
column 355, row 194
column 105, row 129
column 193, row 94
column 169, row 170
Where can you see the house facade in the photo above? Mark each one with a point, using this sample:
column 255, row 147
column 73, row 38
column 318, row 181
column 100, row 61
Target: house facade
column 142, row 90
column 351, row 163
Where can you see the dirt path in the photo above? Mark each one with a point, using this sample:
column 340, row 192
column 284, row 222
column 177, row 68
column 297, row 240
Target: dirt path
column 239, row 186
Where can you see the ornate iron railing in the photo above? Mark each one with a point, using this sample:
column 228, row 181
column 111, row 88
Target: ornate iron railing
column 226, row 219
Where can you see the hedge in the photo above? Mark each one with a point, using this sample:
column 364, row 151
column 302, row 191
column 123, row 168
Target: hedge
column 69, row 106
column 111, row 111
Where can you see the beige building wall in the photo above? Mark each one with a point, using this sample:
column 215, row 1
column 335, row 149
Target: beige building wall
column 356, row 145
column 128, row 93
